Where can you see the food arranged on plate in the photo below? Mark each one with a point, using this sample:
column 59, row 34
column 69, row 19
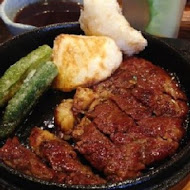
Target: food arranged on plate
column 11, row 81
column 126, row 112
column 126, row 122
column 22, row 84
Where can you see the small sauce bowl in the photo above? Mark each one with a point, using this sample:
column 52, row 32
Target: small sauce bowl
column 14, row 13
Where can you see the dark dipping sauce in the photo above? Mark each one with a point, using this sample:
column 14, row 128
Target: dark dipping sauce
column 45, row 13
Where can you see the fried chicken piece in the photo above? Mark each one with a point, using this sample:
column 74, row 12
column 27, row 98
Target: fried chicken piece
column 64, row 118
column 62, row 157
column 104, row 18
column 22, row 159
column 83, row 99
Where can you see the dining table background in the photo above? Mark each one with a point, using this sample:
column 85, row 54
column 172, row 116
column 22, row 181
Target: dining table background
column 184, row 32
column 184, row 35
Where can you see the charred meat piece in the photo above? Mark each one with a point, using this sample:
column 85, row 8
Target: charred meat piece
column 104, row 155
column 38, row 136
column 164, row 127
column 161, row 104
column 110, row 119
column 146, row 96
column 137, row 72
column 129, row 104
column 148, row 149
column 150, row 76
column 141, row 89
column 131, row 120
column 157, row 149
column 166, row 106
column 124, row 79
column 22, row 159
column 105, row 88
column 120, row 79
column 62, row 157
column 94, row 145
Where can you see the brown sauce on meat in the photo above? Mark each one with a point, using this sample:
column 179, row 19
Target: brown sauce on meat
column 48, row 12
column 134, row 123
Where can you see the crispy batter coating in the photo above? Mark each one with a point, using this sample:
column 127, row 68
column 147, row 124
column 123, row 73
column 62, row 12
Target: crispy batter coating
column 84, row 60
column 64, row 117
column 83, row 98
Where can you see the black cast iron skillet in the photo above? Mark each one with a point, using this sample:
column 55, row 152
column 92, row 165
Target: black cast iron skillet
column 160, row 176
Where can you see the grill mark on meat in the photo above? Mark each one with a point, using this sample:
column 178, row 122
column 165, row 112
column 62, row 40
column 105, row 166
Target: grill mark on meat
column 161, row 104
column 105, row 156
column 129, row 104
column 138, row 91
column 22, row 159
column 164, row 127
column 62, row 158
column 109, row 118
column 151, row 90
column 131, row 120
column 149, row 149
column 153, row 77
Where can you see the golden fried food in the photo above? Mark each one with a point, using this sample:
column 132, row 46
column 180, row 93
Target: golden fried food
column 83, row 99
column 84, row 60
column 64, row 118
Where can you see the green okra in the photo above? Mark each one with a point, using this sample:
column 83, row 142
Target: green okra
column 37, row 81
column 13, row 78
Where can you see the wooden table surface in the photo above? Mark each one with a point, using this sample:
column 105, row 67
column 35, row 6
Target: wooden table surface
column 184, row 33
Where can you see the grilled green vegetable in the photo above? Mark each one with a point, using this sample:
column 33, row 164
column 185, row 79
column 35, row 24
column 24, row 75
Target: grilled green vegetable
column 13, row 78
column 37, row 81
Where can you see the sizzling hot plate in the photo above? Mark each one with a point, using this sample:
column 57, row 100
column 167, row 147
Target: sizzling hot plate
column 160, row 176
